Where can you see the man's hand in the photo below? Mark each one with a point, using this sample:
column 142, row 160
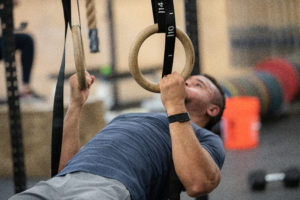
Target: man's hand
column 79, row 97
column 173, row 94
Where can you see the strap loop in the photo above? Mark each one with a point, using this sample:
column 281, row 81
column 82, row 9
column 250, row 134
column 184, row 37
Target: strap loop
column 163, row 14
column 58, row 106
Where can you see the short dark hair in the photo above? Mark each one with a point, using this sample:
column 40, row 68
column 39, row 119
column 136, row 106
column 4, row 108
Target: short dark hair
column 219, row 101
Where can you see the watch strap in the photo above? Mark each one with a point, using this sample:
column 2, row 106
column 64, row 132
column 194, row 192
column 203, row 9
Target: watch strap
column 181, row 117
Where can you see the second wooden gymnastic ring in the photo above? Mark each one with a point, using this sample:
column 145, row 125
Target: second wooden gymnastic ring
column 133, row 57
column 79, row 56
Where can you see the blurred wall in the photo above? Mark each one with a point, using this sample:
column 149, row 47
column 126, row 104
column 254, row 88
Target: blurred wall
column 46, row 25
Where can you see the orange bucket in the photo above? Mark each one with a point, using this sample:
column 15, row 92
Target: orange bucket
column 241, row 122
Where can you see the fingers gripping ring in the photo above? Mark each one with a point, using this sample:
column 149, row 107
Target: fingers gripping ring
column 79, row 56
column 133, row 57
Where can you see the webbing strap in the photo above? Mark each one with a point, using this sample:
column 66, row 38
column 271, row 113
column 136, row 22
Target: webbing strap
column 164, row 16
column 175, row 187
column 8, row 49
column 58, row 106
column 191, row 23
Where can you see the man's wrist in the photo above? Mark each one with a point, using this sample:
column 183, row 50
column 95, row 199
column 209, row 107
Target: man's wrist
column 75, row 107
column 175, row 109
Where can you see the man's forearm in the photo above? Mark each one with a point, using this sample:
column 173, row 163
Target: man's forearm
column 71, row 139
column 193, row 164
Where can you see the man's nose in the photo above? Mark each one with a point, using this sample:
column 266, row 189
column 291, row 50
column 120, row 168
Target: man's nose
column 187, row 83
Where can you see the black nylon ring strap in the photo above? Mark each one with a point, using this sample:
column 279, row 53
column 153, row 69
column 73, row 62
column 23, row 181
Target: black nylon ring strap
column 159, row 13
column 8, row 49
column 58, row 106
column 163, row 14
column 170, row 39
column 191, row 24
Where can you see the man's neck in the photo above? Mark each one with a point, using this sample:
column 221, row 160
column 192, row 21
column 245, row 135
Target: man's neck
column 200, row 121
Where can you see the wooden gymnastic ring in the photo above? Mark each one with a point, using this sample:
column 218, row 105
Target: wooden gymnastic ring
column 79, row 56
column 133, row 57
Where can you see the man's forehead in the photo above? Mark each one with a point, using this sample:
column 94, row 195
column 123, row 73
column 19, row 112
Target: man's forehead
column 200, row 78
column 203, row 79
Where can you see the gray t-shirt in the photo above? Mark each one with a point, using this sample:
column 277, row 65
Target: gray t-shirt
column 135, row 149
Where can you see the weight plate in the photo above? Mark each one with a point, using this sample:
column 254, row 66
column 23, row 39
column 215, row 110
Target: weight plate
column 226, row 91
column 274, row 89
column 252, row 89
column 283, row 71
column 240, row 88
column 260, row 90
column 231, row 88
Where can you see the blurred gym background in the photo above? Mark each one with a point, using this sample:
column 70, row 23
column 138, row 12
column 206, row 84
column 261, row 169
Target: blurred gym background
column 250, row 46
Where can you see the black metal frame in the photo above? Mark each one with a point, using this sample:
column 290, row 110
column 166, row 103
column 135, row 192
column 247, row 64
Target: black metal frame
column 8, row 49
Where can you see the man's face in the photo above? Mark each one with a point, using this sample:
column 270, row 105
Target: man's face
column 200, row 92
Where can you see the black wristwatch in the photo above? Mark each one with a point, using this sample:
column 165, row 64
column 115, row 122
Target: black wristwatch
column 181, row 117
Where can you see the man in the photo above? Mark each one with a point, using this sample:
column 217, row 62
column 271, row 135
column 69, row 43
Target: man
column 130, row 157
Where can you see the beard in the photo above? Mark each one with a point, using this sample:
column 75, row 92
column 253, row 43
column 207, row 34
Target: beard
column 187, row 101
column 188, row 98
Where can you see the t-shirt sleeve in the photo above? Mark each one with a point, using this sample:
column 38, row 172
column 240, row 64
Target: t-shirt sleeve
column 213, row 144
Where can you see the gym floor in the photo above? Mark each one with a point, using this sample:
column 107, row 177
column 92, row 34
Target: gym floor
column 279, row 148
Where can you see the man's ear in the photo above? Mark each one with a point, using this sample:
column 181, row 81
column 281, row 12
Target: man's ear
column 213, row 110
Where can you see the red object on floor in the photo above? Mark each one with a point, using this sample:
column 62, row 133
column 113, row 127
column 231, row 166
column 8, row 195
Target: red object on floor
column 241, row 123
column 284, row 72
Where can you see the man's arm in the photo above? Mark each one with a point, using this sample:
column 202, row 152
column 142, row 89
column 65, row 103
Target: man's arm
column 71, row 139
column 194, row 166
